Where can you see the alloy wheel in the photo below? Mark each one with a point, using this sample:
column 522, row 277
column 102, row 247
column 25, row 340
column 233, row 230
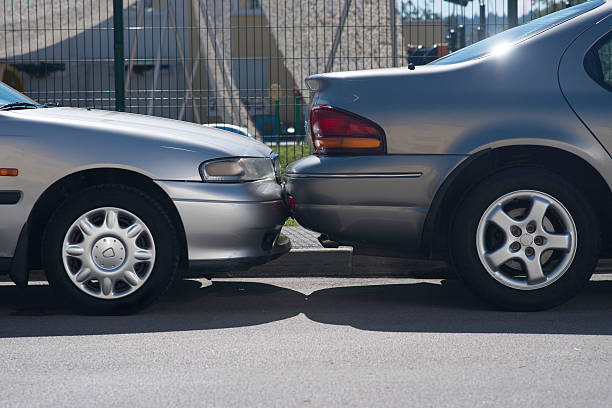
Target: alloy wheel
column 526, row 239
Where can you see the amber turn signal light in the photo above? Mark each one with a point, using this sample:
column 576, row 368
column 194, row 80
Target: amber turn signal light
column 9, row 172
column 326, row 143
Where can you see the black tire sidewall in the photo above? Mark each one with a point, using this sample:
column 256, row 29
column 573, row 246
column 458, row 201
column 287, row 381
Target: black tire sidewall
column 464, row 253
column 139, row 204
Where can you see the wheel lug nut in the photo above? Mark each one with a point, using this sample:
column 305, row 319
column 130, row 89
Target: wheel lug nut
column 538, row 240
column 531, row 228
column 516, row 231
column 529, row 251
column 515, row 246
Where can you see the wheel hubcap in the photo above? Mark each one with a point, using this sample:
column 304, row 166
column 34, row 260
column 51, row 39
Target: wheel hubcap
column 526, row 239
column 108, row 253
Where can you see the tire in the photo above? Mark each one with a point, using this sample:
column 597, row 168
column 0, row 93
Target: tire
column 110, row 249
column 564, row 241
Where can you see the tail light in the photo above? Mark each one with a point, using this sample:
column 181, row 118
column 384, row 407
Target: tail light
column 291, row 203
column 335, row 131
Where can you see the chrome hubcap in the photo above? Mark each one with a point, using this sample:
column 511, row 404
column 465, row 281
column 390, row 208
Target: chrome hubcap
column 108, row 253
column 526, row 239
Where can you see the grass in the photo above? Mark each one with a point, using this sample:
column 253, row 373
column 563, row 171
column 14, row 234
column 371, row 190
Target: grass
column 291, row 153
column 291, row 223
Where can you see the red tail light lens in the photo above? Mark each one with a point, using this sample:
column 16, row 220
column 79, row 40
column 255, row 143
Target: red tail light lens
column 291, row 203
column 335, row 131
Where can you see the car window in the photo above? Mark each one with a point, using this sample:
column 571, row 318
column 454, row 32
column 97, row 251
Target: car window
column 9, row 95
column 517, row 34
column 598, row 62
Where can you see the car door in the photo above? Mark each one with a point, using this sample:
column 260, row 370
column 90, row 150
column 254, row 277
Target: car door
column 585, row 77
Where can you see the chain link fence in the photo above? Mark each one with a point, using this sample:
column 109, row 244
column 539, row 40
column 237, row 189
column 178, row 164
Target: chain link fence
column 229, row 62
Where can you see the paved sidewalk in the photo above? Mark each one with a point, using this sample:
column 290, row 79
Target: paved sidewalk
column 301, row 237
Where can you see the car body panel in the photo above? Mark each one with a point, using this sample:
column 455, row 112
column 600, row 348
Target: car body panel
column 48, row 144
column 379, row 200
column 231, row 128
column 591, row 102
column 227, row 221
column 435, row 117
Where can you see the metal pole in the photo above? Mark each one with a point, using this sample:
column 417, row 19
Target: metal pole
column 134, row 46
column 119, row 56
column 157, row 67
column 337, row 34
column 179, row 46
column 393, row 33
column 512, row 13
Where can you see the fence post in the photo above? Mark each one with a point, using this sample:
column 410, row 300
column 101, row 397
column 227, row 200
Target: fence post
column 119, row 55
column 277, row 124
column 512, row 13
column 482, row 24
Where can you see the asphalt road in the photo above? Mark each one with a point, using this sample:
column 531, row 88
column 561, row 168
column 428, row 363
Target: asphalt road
column 308, row 342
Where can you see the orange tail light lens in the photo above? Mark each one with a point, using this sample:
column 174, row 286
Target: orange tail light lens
column 9, row 172
column 335, row 131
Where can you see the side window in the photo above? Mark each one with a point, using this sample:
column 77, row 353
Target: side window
column 598, row 62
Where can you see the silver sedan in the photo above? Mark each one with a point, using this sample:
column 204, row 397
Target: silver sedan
column 495, row 158
column 112, row 205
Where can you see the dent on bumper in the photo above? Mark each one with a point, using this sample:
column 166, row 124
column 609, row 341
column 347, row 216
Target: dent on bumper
column 230, row 224
column 377, row 201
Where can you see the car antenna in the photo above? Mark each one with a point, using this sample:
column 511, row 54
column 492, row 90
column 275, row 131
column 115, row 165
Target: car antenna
column 410, row 63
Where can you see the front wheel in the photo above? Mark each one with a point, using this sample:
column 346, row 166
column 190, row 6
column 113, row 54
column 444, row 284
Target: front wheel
column 525, row 239
column 110, row 249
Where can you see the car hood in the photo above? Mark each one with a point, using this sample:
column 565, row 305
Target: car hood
column 167, row 133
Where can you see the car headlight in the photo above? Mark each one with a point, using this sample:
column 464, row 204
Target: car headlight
column 277, row 166
column 237, row 169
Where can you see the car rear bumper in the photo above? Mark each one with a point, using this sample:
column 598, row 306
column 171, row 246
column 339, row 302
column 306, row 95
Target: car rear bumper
column 368, row 201
column 229, row 226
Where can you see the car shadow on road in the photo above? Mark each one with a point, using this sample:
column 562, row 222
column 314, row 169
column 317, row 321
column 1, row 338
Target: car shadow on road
column 411, row 307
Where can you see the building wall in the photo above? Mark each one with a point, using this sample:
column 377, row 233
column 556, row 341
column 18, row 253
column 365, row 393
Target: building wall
column 426, row 33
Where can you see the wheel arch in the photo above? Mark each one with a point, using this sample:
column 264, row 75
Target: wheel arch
column 579, row 172
column 55, row 194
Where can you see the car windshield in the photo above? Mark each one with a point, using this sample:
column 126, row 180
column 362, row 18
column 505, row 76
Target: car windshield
column 9, row 95
column 517, row 34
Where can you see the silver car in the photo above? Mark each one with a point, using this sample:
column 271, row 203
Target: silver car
column 495, row 158
column 111, row 204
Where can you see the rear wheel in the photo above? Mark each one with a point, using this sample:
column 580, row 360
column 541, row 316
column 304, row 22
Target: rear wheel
column 525, row 239
column 110, row 249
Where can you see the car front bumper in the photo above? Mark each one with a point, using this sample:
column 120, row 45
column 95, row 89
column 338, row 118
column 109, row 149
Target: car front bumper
column 230, row 226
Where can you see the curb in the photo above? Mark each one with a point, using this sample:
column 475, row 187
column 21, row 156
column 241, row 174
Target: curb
column 340, row 262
